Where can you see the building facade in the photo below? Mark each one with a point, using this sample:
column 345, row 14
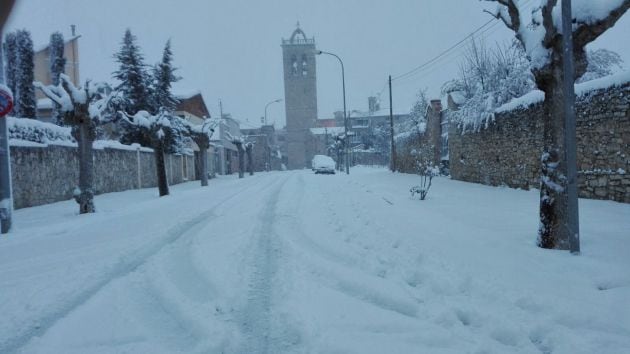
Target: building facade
column 300, row 96
column 42, row 73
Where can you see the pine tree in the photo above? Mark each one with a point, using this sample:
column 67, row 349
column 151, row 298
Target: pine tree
column 164, row 76
column 10, row 65
column 162, row 99
column 132, row 75
column 57, row 67
column 27, row 105
column 134, row 83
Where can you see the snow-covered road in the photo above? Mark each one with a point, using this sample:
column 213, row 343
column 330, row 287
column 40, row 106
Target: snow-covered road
column 292, row 262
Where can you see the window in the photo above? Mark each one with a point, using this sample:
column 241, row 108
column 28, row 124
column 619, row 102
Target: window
column 294, row 65
column 304, row 65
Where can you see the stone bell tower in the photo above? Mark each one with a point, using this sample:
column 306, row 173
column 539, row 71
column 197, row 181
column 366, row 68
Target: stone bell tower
column 300, row 96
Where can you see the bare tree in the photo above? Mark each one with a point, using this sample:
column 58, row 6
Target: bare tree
column 84, row 109
column 541, row 38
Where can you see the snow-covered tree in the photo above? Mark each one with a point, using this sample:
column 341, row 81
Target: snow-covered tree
column 601, row 62
column 201, row 134
column 164, row 77
column 134, row 83
column 416, row 123
column 10, row 64
column 154, row 128
column 488, row 78
column 540, row 33
column 239, row 142
column 57, row 67
column 26, row 105
column 84, row 109
column 132, row 75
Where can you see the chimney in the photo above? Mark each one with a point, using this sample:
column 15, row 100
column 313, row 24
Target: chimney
column 436, row 105
column 73, row 29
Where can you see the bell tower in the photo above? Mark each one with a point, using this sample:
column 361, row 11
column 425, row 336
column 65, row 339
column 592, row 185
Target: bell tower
column 300, row 96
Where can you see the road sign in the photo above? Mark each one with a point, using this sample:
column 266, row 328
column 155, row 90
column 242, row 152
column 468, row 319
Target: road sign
column 6, row 101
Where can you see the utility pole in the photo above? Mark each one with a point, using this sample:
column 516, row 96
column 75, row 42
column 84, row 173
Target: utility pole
column 391, row 128
column 6, row 193
column 570, row 150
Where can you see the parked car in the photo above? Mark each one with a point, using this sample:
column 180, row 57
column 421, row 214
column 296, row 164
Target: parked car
column 323, row 164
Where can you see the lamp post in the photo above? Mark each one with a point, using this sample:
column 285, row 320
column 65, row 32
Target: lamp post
column 345, row 117
column 267, row 105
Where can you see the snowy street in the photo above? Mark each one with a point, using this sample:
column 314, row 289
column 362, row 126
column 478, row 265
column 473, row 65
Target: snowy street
column 292, row 262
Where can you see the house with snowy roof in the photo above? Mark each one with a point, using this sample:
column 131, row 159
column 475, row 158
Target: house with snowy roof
column 225, row 152
column 192, row 108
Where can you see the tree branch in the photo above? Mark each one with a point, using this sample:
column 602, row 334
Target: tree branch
column 586, row 33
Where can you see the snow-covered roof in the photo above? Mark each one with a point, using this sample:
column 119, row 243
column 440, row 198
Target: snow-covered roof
column 324, row 131
column 182, row 95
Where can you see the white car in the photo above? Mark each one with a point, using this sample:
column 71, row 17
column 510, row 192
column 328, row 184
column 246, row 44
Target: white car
column 323, row 164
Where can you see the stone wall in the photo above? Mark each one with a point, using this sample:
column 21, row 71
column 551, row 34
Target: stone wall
column 508, row 151
column 43, row 175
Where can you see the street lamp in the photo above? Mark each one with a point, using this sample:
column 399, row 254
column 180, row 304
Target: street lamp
column 345, row 117
column 267, row 105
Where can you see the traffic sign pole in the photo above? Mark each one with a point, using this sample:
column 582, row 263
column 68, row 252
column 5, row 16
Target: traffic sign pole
column 6, row 193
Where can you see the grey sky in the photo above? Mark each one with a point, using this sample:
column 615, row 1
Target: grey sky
column 231, row 49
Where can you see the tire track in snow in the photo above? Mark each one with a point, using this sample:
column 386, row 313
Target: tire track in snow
column 124, row 267
column 258, row 322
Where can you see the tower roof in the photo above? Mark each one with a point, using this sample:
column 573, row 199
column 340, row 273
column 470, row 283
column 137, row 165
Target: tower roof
column 298, row 38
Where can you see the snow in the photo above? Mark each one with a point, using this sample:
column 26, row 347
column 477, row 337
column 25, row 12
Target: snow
column 44, row 103
column 302, row 263
column 537, row 96
column 330, row 131
column 603, row 83
column 586, row 11
column 525, row 101
column 6, row 90
column 458, row 97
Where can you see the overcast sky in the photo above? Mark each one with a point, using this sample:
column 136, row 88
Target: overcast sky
column 230, row 49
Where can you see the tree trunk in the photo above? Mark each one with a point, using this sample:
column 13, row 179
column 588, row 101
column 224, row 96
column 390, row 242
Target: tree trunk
column 85, row 194
column 241, row 161
column 203, row 156
column 160, row 165
column 250, row 161
column 552, row 232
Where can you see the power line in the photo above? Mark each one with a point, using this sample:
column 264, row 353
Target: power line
column 437, row 57
column 490, row 24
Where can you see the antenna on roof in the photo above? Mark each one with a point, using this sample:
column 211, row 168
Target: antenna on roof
column 73, row 29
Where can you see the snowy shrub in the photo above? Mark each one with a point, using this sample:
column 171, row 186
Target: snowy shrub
column 426, row 176
column 38, row 132
column 426, row 171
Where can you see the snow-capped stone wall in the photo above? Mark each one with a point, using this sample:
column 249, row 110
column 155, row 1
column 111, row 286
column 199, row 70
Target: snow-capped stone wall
column 508, row 151
column 45, row 174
